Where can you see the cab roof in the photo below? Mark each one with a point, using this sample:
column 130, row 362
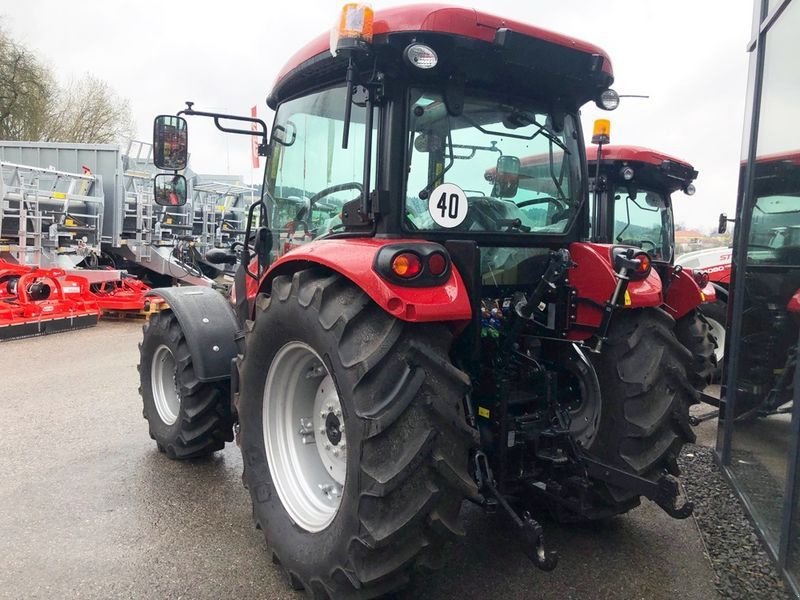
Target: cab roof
column 436, row 19
column 650, row 166
column 633, row 154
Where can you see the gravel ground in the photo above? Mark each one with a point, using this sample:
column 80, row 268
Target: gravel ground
column 741, row 565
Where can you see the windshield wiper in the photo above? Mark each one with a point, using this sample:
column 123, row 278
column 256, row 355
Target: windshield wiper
column 541, row 130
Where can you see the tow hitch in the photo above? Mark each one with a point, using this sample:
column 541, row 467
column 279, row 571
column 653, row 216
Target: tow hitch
column 529, row 527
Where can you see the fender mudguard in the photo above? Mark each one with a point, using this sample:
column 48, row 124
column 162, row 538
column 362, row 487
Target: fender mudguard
column 683, row 294
column 593, row 279
column 353, row 258
column 209, row 325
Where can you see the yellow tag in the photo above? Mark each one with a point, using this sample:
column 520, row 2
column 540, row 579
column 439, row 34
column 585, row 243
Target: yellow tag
column 702, row 297
column 627, row 298
column 59, row 195
column 483, row 412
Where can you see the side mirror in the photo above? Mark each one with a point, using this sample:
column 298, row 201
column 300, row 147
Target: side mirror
column 506, row 181
column 170, row 142
column 723, row 223
column 169, row 189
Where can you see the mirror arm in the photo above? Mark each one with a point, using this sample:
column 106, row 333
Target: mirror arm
column 262, row 147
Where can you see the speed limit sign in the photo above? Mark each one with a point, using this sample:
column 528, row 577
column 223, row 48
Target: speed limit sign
column 448, row 206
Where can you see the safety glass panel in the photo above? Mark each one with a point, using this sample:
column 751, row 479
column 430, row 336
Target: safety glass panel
column 494, row 167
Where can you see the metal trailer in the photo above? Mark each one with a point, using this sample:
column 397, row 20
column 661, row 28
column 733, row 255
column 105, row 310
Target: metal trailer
column 219, row 204
column 133, row 230
column 49, row 217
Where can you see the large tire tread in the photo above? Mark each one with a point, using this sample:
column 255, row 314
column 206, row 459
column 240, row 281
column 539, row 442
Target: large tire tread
column 644, row 374
column 206, row 423
column 415, row 447
column 694, row 332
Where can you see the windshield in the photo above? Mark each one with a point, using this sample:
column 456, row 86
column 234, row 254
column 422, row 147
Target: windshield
column 775, row 229
column 310, row 176
column 468, row 172
column 643, row 219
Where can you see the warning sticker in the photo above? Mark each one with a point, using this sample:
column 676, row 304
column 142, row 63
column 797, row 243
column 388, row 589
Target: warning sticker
column 448, row 205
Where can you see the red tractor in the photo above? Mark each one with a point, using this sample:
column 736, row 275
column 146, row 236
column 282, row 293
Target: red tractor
column 404, row 335
column 633, row 206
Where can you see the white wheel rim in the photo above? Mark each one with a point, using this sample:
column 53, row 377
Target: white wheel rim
column 304, row 436
column 718, row 332
column 163, row 380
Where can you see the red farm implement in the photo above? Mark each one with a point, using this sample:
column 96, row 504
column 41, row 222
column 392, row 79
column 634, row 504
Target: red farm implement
column 42, row 301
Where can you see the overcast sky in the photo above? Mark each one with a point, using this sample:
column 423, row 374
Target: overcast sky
column 689, row 56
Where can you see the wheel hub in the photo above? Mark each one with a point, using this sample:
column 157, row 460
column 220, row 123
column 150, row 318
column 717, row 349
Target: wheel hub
column 332, row 429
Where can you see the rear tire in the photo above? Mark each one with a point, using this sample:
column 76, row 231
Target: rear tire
column 187, row 418
column 644, row 423
column 694, row 332
column 401, row 405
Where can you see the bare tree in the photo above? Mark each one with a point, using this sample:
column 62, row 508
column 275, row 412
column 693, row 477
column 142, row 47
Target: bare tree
column 33, row 107
column 26, row 87
column 89, row 111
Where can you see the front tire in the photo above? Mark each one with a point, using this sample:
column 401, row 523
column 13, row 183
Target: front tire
column 187, row 418
column 401, row 403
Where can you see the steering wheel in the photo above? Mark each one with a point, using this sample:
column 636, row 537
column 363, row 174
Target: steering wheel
column 477, row 216
column 339, row 187
column 652, row 243
column 639, row 244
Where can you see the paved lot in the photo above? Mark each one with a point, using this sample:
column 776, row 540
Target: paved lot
column 90, row 509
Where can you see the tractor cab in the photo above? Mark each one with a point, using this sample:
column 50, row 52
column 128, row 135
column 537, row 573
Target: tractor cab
column 634, row 190
column 402, row 122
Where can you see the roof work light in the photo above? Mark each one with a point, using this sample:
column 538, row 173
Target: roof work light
column 421, row 56
column 353, row 30
column 608, row 100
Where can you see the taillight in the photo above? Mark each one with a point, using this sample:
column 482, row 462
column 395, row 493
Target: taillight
column 413, row 264
column 437, row 263
column 635, row 265
column 643, row 270
column 406, row 265
column 701, row 278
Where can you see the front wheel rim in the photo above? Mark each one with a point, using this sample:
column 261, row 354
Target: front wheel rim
column 304, row 436
column 163, row 379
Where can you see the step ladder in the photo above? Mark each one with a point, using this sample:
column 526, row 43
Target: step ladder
column 220, row 213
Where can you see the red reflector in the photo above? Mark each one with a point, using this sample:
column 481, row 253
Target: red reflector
column 406, row 265
column 437, row 263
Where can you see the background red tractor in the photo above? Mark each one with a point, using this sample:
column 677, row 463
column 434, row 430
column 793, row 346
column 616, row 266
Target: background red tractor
column 405, row 334
column 634, row 206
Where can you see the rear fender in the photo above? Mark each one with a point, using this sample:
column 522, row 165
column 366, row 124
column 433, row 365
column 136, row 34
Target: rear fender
column 209, row 325
column 354, row 258
column 683, row 294
column 594, row 280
